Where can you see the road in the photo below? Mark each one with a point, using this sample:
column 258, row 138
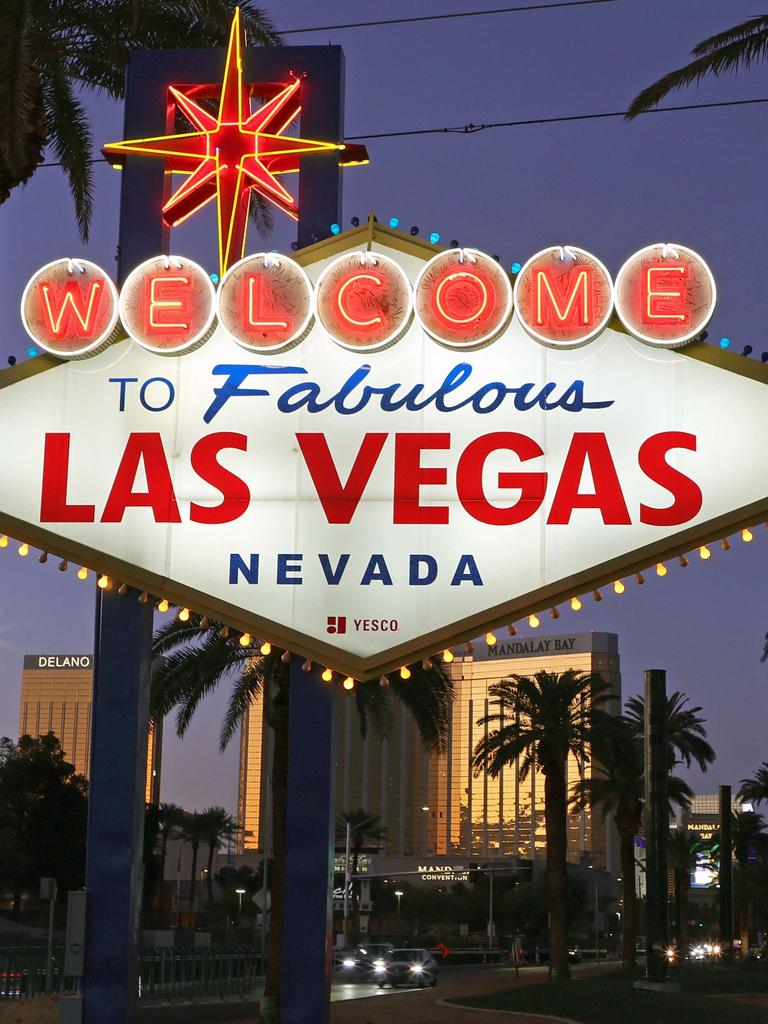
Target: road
column 367, row 1004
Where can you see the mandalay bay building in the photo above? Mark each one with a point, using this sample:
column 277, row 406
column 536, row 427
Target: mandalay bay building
column 435, row 805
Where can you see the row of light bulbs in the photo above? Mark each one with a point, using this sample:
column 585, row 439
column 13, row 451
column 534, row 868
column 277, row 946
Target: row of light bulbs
column 163, row 606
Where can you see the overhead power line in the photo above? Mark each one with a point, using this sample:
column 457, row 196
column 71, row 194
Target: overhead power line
column 471, row 128
column 444, row 17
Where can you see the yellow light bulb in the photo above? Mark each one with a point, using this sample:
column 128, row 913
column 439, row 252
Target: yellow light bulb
column 619, row 587
column 490, row 638
column 266, row 647
column 184, row 615
column 746, row 536
column 102, row 582
column 575, row 604
column 661, row 569
column 82, row 573
column 534, row 621
column 164, row 605
column 3, row 541
column 349, row 683
column 24, row 550
column 448, row 656
column 245, row 639
column 327, row 676
column 704, row 552
column 405, row 673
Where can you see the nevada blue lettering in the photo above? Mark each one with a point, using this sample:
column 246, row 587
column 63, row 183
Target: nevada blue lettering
column 287, row 567
column 249, row 572
column 376, row 572
column 467, row 572
column 414, row 576
column 333, row 576
column 354, row 395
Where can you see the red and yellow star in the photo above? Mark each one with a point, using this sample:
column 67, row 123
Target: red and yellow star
column 233, row 154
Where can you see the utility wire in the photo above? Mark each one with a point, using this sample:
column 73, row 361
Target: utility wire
column 444, row 17
column 471, row 129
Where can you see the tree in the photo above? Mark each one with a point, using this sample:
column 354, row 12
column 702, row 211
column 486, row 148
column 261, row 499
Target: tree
column 684, row 849
column 194, row 831
column 171, row 820
column 750, row 852
column 218, row 825
column 617, row 786
column 755, row 790
column 363, row 827
column 541, row 719
column 734, row 49
column 43, row 813
column 199, row 655
column 50, row 53
column 686, row 735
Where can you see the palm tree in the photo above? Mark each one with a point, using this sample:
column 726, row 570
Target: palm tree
column 750, row 852
column 194, row 831
column 541, row 719
column 200, row 654
column 50, row 53
column 618, row 785
column 218, row 825
column 362, row 826
column 684, row 849
column 755, row 790
column 686, row 735
column 732, row 50
column 170, row 821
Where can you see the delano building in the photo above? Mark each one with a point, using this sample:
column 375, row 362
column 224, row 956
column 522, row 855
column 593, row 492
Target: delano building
column 435, row 805
column 56, row 696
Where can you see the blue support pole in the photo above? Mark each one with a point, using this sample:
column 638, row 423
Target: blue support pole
column 116, row 806
column 307, row 943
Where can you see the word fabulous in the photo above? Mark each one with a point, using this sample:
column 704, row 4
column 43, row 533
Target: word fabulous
column 364, row 301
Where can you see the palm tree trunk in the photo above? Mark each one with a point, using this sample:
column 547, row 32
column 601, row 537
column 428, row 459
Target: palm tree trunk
column 555, row 817
column 629, row 916
column 682, row 937
column 279, row 723
column 193, row 880
column 161, row 858
column 209, row 876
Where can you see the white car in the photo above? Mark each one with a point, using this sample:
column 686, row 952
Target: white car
column 406, row 967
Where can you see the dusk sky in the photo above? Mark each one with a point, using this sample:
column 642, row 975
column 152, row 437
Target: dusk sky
column 695, row 177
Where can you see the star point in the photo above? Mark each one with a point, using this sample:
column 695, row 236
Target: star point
column 231, row 155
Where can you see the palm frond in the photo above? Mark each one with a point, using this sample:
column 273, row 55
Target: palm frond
column 244, row 691
column 428, row 696
column 728, row 51
column 22, row 127
column 70, row 136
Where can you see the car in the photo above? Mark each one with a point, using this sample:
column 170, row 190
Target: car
column 348, row 964
column 406, row 967
column 369, row 953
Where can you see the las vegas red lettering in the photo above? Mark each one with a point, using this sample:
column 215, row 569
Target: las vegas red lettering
column 144, row 457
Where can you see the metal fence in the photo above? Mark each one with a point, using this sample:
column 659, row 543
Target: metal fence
column 164, row 973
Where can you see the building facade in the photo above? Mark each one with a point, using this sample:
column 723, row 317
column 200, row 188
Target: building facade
column 57, row 696
column 435, row 805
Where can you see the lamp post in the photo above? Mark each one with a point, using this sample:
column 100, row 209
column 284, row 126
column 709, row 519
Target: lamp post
column 240, row 894
column 399, row 894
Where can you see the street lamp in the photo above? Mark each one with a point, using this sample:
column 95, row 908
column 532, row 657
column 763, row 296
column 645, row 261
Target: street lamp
column 240, row 894
column 399, row 894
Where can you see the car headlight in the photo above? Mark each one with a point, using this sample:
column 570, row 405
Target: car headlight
column 417, row 968
column 348, row 962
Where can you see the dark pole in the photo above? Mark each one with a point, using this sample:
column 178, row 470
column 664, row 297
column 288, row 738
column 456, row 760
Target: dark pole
column 307, row 953
column 726, row 872
column 656, row 824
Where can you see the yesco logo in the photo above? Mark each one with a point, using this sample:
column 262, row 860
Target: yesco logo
column 338, row 624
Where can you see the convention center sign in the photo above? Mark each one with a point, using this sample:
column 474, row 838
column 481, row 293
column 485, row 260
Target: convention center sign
column 373, row 449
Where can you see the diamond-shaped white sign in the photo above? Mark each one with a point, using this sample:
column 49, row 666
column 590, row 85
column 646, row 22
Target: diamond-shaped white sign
column 369, row 509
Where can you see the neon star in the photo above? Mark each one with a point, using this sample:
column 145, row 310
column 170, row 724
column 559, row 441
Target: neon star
column 234, row 153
